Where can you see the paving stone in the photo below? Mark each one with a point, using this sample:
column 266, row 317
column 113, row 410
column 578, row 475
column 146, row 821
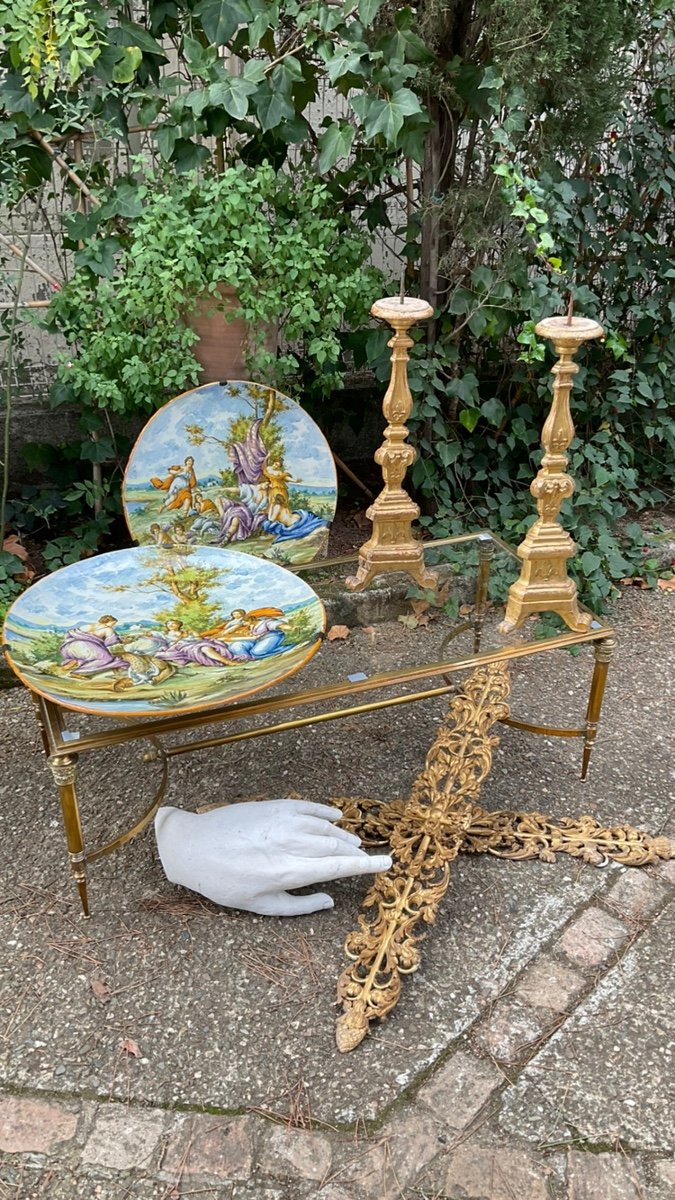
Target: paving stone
column 34, row 1126
column 413, row 1141
column 602, row 1177
column 636, row 896
column 400, row 1153
column 550, row 984
column 609, row 1072
column 460, row 1089
column 494, row 1173
column 308, row 1154
column 124, row 1138
column 219, row 1147
column 511, row 1029
column 593, row 939
column 362, row 1164
column 665, row 1172
column 665, row 869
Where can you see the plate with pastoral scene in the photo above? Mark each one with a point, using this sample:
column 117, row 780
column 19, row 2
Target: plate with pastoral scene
column 150, row 632
column 232, row 464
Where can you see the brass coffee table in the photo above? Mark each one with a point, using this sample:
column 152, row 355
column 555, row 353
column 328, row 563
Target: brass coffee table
column 474, row 641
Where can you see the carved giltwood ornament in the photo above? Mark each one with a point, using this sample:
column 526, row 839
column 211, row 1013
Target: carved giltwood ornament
column 425, row 833
column 425, row 837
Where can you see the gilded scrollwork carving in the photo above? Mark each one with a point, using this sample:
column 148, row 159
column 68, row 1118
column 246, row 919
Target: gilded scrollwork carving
column 425, row 833
column 425, row 837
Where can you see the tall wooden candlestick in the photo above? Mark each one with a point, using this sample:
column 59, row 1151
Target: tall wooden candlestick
column 392, row 546
column 544, row 585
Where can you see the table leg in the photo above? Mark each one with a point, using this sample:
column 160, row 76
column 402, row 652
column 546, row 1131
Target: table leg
column 604, row 651
column 64, row 770
column 41, row 725
column 486, row 549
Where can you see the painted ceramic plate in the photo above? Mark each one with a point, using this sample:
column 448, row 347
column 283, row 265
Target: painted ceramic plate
column 148, row 632
column 232, row 464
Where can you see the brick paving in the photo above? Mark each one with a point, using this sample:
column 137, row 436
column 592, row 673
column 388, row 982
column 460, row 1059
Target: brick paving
column 440, row 1144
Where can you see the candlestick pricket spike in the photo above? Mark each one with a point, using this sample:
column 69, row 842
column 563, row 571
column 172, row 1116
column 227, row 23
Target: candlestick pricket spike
column 392, row 546
column 544, row 585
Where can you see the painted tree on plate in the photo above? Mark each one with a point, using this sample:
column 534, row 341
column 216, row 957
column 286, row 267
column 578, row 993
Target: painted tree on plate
column 188, row 585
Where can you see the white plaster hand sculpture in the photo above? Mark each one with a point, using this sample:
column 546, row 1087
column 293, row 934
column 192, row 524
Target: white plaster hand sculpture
column 247, row 855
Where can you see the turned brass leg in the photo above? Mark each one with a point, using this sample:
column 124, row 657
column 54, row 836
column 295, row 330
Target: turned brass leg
column 604, row 651
column 486, row 549
column 41, row 725
column 64, row 768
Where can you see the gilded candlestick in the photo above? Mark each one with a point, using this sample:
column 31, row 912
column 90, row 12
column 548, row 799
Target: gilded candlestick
column 392, row 545
column 544, row 585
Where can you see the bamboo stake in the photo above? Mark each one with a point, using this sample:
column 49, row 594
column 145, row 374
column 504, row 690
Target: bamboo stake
column 61, row 162
column 96, row 469
column 30, row 262
column 354, row 478
column 26, row 304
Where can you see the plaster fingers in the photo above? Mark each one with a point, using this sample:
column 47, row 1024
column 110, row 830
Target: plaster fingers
column 283, row 904
column 321, row 829
column 327, row 811
column 339, row 866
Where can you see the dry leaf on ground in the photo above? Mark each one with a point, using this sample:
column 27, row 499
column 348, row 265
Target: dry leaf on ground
column 12, row 545
column 411, row 621
column 100, row 989
column 338, row 632
column 634, row 581
column 666, row 585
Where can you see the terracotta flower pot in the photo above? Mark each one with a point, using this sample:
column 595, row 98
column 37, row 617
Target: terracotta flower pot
column 221, row 345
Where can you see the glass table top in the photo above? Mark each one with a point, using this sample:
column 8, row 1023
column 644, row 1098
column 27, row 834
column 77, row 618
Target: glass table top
column 475, row 572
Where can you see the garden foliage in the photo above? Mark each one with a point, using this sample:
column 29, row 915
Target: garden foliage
column 543, row 137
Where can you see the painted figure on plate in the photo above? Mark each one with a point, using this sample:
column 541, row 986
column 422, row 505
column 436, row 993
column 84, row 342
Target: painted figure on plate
column 263, row 477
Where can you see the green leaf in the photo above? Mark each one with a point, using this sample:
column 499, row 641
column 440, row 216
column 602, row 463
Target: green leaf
column 166, row 137
column 188, row 155
column 469, row 418
column 345, row 62
column 220, row 19
column 232, row 94
column 386, row 116
column 478, row 322
column 493, row 410
column 334, row 143
column 128, row 33
column 272, row 108
column 99, row 256
column 368, row 10
column 589, row 562
column 285, row 74
column 461, row 301
column 254, row 71
column 127, row 66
